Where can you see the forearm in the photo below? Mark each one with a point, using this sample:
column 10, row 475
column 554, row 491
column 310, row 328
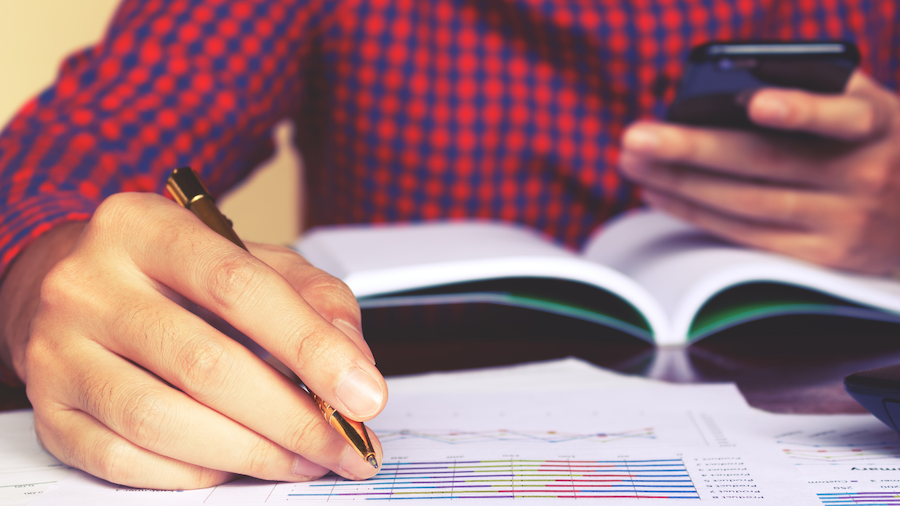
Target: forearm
column 21, row 287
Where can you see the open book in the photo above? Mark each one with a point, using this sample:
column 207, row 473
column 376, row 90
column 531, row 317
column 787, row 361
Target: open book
column 646, row 274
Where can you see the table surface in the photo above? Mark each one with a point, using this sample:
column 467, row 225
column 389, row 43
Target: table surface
column 786, row 364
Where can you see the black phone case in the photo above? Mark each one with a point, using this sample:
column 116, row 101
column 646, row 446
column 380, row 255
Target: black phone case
column 878, row 390
column 716, row 87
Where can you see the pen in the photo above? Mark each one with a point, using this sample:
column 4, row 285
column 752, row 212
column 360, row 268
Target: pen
column 189, row 191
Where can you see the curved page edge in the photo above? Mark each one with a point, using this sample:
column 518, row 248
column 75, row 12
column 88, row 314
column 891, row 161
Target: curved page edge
column 384, row 281
column 790, row 272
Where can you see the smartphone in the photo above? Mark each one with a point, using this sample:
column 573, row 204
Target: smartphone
column 878, row 390
column 720, row 77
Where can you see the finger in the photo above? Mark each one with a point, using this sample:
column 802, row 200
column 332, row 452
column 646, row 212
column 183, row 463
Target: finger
column 752, row 200
column 150, row 414
column 800, row 244
column 738, row 153
column 79, row 440
column 849, row 117
column 329, row 296
column 182, row 253
column 218, row 372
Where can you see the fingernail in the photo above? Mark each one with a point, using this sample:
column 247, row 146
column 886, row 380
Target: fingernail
column 360, row 394
column 352, row 463
column 641, row 139
column 769, row 109
column 356, row 336
column 305, row 468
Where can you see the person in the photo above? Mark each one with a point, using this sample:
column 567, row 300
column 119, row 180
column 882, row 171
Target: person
column 116, row 304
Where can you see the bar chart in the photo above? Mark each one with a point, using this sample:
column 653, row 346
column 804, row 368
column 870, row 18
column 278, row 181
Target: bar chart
column 868, row 498
column 511, row 479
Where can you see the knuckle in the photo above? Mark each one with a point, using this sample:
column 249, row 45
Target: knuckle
column 96, row 397
column 234, row 277
column 318, row 279
column 41, row 357
column 771, row 156
column 203, row 477
column 802, row 111
column 204, row 362
column 118, row 209
column 258, row 459
column 865, row 122
column 685, row 146
column 674, row 177
column 797, row 210
column 785, row 206
column 302, row 438
column 861, row 225
column 874, row 179
column 330, row 287
column 279, row 253
column 311, row 344
column 109, row 211
column 61, row 283
column 146, row 419
column 630, row 164
column 112, row 460
column 750, row 203
column 838, row 257
column 832, row 252
column 145, row 316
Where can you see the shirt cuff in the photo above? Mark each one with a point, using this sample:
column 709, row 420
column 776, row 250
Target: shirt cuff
column 23, row 221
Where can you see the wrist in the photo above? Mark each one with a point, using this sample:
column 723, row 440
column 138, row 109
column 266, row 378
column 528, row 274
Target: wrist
column 20, row 291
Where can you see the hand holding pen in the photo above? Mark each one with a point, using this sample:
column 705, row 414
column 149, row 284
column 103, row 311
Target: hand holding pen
column 131, row 386
column 190, row 193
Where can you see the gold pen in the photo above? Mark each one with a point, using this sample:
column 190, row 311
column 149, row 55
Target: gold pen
column 188, row 190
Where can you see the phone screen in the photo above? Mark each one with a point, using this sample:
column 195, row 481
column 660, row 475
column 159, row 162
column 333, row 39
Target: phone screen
column 721, row 77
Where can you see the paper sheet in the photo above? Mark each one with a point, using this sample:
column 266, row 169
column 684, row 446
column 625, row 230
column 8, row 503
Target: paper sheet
column 626, row 443
column 26, row 469
column 562, row 374
column 560, row 430
column 845, row 459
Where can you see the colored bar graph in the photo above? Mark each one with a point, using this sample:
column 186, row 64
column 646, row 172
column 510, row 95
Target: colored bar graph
column 867, row 498
column 498, row 479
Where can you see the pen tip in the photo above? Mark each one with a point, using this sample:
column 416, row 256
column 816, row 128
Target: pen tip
column 371, row 460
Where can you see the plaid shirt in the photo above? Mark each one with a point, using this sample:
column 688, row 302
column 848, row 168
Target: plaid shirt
column 405, row 109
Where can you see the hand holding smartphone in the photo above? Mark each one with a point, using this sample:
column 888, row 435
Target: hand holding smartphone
column 720, row 77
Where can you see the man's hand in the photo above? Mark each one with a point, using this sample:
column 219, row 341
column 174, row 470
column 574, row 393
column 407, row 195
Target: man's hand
column 832, row 198
column 131, row 386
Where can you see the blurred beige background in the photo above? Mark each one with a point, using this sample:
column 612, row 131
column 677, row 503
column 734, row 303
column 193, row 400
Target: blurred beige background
column 35, row 35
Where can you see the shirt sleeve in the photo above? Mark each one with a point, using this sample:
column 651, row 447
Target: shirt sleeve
column 172, row 83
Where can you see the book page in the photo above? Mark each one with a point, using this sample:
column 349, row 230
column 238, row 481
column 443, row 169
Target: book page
column 348, row 250
column 389, row 259
column 683, row 267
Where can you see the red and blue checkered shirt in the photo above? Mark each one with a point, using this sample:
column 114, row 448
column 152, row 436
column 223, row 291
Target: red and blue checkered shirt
column 405, row 109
